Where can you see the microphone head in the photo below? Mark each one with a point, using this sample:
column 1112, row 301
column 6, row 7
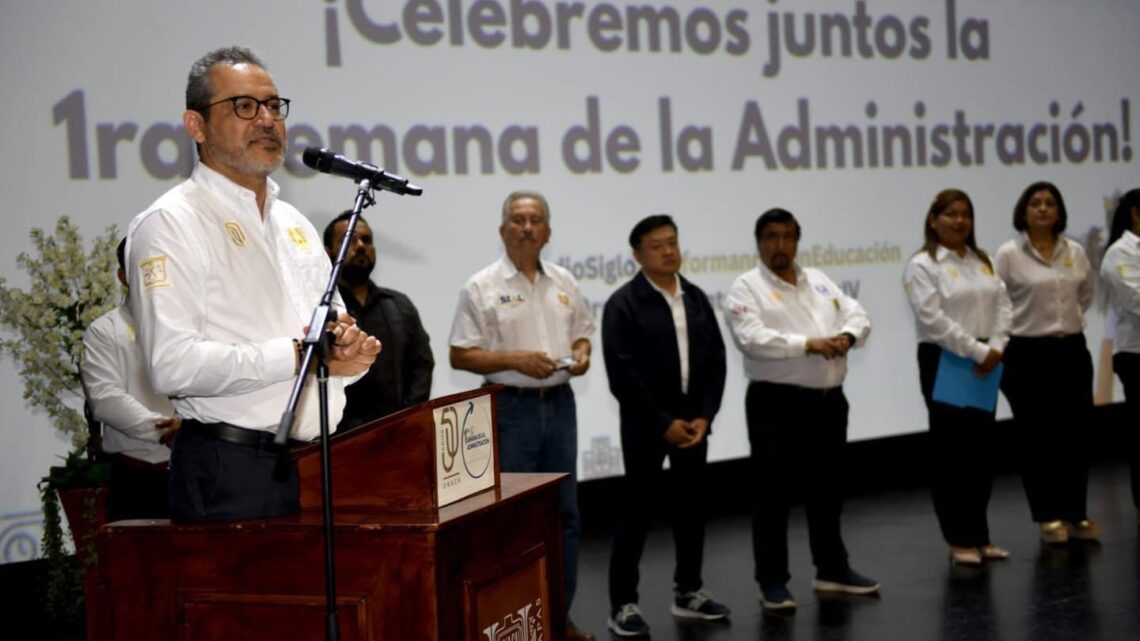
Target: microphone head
column 317, row 158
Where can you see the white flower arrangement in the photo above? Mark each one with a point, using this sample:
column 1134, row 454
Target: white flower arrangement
column 68, row 289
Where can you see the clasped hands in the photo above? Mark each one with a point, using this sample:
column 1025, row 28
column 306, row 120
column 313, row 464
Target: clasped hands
column 683, row 434
column 829, row 347
column 353, row 351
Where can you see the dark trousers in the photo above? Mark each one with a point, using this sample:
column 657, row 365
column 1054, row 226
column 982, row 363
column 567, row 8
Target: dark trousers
column 1048, row 382
column 645, row 488
column 212, row 480
column 797, row 437
column 539, row 433
column 137, row 489
column 1127, row 367
column 960, row 465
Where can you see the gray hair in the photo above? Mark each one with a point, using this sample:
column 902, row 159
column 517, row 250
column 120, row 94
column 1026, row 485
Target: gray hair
column 525, row 193
column 198, row 87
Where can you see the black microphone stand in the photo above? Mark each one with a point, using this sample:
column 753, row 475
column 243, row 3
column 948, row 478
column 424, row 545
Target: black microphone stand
column 317, row 343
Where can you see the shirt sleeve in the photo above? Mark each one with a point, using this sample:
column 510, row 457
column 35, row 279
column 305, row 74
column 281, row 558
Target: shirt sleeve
column 1123, row 280
column 751, row 334
column 922, row 292
column 583, row 323
column 1003, row 321
column 168, row 273
column 469, row 327
column 1087, row 287
column 856, row 321
column 104, row 383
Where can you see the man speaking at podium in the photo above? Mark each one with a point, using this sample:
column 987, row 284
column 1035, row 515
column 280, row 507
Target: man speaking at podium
column 226, row 277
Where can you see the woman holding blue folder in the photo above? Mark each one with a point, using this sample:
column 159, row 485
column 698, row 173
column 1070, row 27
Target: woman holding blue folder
column 1048, row 375
column 962, row 315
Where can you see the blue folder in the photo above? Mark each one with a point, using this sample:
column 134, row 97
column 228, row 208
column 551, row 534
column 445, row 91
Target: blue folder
column 956, row 384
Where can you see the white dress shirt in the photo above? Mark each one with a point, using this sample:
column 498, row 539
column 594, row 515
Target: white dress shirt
column 500, row 310
column 219, row 295
column 118, row 391
column 676, row 302
column 1049, row 298
column 1121, row 270
column 771, row 321
column 957, row 301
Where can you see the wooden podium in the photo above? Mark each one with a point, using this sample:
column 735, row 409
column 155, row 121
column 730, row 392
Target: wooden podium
column 410, row 565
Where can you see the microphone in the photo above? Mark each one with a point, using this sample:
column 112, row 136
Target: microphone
column 327, row 162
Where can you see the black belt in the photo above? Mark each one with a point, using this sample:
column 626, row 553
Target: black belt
column 233, row 434
column 540, row 392
column 797, row 390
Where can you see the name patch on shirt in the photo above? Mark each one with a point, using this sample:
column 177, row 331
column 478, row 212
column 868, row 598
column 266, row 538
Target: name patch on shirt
column 154, row 272
column 236, row 234
column 297, row 235
column 511, row 300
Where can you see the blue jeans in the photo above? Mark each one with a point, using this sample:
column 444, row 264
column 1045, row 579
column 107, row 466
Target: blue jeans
column 539, row 433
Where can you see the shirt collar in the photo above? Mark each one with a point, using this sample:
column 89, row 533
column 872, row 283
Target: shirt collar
column 1060, row 247
column 508, row 270
column 666, row 294
column 230, row 191
column 776, row 281
column 1132, row 238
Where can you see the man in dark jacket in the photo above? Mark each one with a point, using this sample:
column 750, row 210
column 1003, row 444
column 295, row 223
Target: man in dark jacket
column 402, row 376
column 666, row 366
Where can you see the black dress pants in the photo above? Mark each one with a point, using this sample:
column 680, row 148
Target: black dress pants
column 797, row 436
column 213, row 480
column 1127, row 367
column 1048, row 382
column 960, row 463
column 137, row 489
column 646, row 493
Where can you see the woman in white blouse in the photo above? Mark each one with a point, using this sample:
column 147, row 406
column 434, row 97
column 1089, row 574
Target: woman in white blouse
column 960, row 306
column 1121, row 270
column 1048, row 375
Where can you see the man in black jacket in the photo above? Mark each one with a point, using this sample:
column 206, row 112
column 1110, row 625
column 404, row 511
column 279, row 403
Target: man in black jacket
column 666, row 366
column 402, row 376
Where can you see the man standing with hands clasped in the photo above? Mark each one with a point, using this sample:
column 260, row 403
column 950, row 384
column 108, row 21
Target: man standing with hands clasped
column 666, row 366
column 794, row 327
column 521, row 322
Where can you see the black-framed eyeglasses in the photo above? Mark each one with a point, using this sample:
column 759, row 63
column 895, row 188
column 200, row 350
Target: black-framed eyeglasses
column 246, row 107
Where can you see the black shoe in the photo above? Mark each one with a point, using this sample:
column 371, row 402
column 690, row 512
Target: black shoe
column 698, row 605
column 777, row 597
column 848, row 582
column 627, row 621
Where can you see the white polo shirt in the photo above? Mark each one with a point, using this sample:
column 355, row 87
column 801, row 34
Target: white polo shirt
column 501, row 310
column 118, row 390
column 956, row 301
column 219, row 295
column 1121, row 270
column 771, row 321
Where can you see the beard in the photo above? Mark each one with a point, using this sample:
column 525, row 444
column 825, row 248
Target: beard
column 240, row 159
column 356, row 274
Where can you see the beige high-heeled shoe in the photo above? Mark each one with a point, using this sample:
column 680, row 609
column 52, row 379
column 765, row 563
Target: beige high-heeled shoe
column 965, row 556
column 992, row 552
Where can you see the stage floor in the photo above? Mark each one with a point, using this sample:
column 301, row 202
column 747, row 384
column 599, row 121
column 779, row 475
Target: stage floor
column 1078, row 591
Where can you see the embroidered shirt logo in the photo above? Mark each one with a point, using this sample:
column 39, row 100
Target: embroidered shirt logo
column 297, row 235
column 564, row 299
column 236, row 233
column 511, row 300
column 154, row 272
